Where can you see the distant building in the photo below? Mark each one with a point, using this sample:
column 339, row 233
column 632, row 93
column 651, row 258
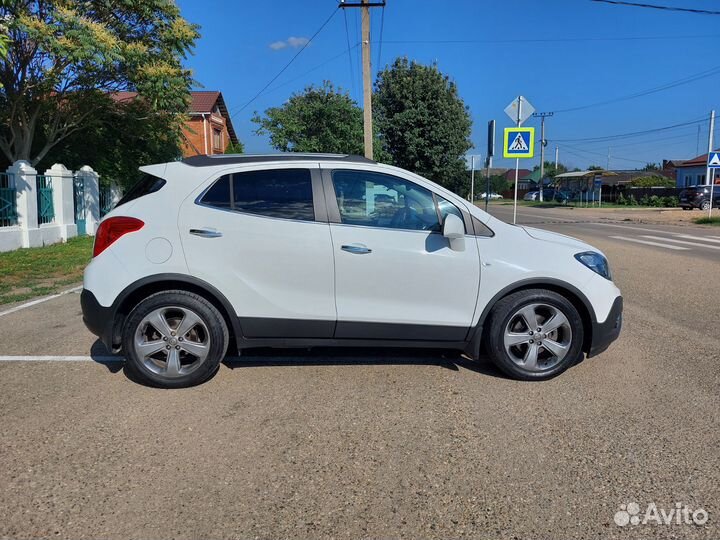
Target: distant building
column 693, row 171
column 208, row 129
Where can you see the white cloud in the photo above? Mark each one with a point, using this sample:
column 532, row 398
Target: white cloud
column 292, row 41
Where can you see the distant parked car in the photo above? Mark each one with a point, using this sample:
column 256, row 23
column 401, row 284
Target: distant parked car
column 548, row 195
column 699, row 197
column 564, row 196
column 492, row 196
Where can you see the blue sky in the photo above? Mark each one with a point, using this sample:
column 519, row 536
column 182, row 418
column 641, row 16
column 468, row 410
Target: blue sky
column 560, row 54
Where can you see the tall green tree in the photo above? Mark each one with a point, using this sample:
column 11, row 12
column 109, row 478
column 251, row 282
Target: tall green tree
column 121, row 137
column 423, row 123
column 550, row 170
column 65, row 57
column 318, row 119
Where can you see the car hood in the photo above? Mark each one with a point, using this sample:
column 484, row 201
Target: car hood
column 555, row 238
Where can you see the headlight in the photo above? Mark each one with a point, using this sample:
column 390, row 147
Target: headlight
column 595, row 262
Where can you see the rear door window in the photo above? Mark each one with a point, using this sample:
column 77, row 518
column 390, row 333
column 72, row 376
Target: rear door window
column 277, row 193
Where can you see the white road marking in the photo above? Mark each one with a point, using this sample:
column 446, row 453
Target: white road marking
column 701, row 238
column 39, row 301
column 684, row 242
column 101, row 359
column 546, row 217
column 666, row 246
column 624, row 227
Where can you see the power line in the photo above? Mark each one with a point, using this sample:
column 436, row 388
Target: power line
column 619, row 136
column 581, row 150
column 347, row 36
column 551, row 40
column 303, row 74
column 653, row 6
column 672, row 84
column 286, row 65
column 382, row 25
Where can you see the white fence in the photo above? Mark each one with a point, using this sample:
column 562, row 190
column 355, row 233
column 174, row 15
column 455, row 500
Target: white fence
column 41, row 209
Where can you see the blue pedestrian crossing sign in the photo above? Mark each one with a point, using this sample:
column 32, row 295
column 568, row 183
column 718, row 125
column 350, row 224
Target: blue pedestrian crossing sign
column 714, row 160
column 519, row 142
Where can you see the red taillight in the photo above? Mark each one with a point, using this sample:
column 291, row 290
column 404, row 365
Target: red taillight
column 113, row 228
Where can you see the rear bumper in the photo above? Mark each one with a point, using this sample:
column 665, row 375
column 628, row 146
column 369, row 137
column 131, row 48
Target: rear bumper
column 97, row 319
column 603, row 334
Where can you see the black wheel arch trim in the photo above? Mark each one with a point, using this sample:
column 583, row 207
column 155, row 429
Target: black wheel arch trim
column 475, row 335
column 109, row 335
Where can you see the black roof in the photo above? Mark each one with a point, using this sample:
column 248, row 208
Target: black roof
column 231, row 159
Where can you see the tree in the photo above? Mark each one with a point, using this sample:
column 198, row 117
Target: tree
column 318, row 119
column 651, row 167
column 66, row 58
column 120, row 138
column 551, row 171
column 423, row 123
column 595, row 168
column 233, row 148
column 654, row 180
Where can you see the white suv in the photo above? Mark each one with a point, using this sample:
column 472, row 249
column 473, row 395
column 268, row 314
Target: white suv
column 301, row 250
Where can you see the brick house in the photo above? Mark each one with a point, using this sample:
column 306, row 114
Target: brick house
column 208, row 129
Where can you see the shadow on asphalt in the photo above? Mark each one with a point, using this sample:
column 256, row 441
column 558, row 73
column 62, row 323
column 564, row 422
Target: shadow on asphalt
column 319, row 356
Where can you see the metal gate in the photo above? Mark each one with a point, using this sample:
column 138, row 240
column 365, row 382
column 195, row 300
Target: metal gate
column 80, row 207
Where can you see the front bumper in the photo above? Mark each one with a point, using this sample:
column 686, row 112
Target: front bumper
column 603, row 334
column 97, row 319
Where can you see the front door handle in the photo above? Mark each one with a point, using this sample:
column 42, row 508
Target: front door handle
column 356, row 249
column 206, row 233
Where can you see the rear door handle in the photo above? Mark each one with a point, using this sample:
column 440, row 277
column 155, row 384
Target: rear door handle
column 206, row 233
column 356, row 249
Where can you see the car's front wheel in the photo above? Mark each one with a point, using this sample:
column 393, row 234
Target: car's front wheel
column 705, row 206
column 535, row 334
column 174, row 339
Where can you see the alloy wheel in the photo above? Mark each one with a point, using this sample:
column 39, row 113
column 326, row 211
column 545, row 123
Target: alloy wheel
column 172, row 341
column 537, row 337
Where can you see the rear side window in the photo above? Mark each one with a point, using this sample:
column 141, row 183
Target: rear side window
column 146, row 185
column 278, row 193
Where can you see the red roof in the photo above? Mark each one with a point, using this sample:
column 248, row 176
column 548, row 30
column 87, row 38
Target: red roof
column 522, row 173
column 696, row 161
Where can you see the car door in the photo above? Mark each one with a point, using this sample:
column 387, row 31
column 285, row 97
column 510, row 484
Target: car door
column 396, row 276
column 261, row 238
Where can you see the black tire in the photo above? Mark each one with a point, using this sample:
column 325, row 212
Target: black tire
column 213, row 321
column 505, row 310
column 705, row 206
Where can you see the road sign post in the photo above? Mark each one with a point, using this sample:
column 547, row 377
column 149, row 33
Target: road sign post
column 520, row 147
column 711, row 170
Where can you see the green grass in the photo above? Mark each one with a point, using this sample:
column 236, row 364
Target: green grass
column 708, row 221
column 27, row 273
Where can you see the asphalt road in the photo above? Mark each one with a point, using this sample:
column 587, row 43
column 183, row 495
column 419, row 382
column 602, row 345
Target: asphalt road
column 352, row 443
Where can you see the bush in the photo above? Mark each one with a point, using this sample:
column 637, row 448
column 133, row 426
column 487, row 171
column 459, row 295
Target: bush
column 621, row 199
column 653, row 181
column 671, row 202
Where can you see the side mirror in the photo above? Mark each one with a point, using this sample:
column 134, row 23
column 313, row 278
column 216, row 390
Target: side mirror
column 454, row 231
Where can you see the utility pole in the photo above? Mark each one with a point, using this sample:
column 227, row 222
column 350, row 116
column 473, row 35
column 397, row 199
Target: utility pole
column 365, row 6
column 557, row 155
column 710, row 172
column 543, row 144
column 608, row 160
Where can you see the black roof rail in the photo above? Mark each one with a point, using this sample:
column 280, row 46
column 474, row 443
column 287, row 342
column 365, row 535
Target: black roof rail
column 232, row 159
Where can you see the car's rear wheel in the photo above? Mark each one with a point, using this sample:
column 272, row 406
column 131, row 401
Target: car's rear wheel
column 535, row 334
column 174, row 339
